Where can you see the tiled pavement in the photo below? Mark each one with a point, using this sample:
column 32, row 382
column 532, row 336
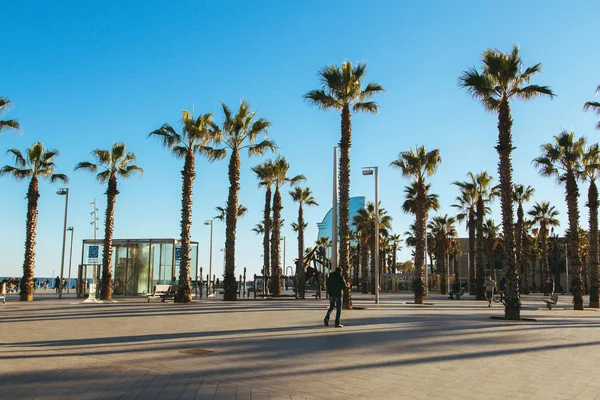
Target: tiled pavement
column 272, row 349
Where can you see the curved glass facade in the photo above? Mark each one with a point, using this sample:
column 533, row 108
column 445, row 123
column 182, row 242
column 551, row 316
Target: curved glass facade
column 356, row 203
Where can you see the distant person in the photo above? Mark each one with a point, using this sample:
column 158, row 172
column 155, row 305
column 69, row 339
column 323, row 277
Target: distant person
column 57, row 283
column 335, row 286
column 549, row 286
column 489, row 286
column 502, row 284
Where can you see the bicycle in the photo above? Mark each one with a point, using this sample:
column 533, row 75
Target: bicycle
column 499, row 296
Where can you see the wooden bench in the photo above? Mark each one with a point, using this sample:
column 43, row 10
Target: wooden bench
column 163, row 291
column 551, row 301
column 456, row 295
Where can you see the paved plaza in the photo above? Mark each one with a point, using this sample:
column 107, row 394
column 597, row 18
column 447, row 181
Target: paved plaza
column 279, row 349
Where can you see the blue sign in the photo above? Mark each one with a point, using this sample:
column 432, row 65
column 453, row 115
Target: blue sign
column 177, row 256
column 93, row 252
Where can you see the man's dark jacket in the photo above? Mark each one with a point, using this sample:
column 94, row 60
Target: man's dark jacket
column 335, row 284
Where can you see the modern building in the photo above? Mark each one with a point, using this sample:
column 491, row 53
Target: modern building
column 356, row 203
column 137, row 264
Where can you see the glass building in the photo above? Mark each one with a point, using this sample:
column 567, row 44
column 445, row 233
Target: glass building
column 356, row 203
column 137, row 264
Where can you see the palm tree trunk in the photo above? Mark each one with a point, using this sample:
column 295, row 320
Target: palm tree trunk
column 356, row 264
column 364, row 257
column 33, row 195
column 184, row 291
column 267, row 233
column 504, row 148
column 109, row 225
column 545, row 260
column 472, row 253
column 480, row 275
column 300, row 266
column 275, row 238
column 593, row 239
column 524, row 268
column 572, row 194
column 229, row 283
column 420, row 232
column 344, row 184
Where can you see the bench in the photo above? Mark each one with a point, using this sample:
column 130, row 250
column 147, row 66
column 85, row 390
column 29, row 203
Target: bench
column 456, row 295
column 551, row 301
column 163, row 291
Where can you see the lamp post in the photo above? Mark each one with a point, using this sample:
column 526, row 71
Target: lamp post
column 371, row 171
column 72, row 230
column 283, row 266
column 208, row 284
column 63, row 192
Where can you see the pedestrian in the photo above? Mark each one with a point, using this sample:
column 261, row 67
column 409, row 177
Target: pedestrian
column 335, row 286
column 57, row 283
column 489, row 285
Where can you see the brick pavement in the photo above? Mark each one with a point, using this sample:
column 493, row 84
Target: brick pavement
column 279, row 349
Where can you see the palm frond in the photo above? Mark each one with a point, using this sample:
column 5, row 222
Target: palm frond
column 322, row 100
column 59, row 177
column 86, row 165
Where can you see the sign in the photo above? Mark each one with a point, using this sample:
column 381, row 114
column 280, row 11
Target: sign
column 93, row 254
column 177, row 256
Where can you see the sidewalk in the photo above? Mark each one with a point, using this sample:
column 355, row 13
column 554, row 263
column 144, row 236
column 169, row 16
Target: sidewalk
column 271, row 349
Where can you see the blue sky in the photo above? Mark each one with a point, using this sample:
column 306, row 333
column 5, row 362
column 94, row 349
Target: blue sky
column 83, row 75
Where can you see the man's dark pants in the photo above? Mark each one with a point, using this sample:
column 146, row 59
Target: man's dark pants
column 337, row 303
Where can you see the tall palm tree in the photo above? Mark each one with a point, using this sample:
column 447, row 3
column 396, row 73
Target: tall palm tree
column 222, row 212
column 114, row 164
column 302, row 197
column 321, row 246
column 444, row 230
column 365, row 221
column 591, row 164
column 7, row 123
column 395, row 239
column 37, row 163
column 501, row 80
column 195, row 138
column 240, row 131
column 361, row 223
column 280, row 178
column 466, row 204
column 562, row 159
column 342, row 90
column 484, row 194
column 521, row 194
column 594, row 106
column 419, row 164
column 264, row 173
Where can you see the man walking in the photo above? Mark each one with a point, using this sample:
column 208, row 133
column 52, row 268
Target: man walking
column 489, row 285
column 335, row 285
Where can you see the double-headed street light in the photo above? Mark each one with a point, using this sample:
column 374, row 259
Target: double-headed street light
column 63, row 192
column 375, row 171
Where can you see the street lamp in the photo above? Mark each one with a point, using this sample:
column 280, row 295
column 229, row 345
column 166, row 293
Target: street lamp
column 72, row 230
column 63, row 192
column 208, row 284
column 371, row 171
column 283, row 266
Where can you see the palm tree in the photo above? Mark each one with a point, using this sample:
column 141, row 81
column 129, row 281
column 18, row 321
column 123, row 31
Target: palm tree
column 501, row 80
column 114, row 163
column 222, row 213
column 365, row 221
column 264, row 173
column 342, row 90
column 280, row 178
column 239, row 132
column 196, row 136
column 484, row 194
column 361, row 223
column 493, row 238
column 442, row 227
column 591, row 164
column 321, row 246
column 395, row 240
column 419, row 164
column 259, row 229
column 563, row 160
column 466, row 203
column 7, row 123
column 594, row 106
column 521, row 194
column 302, row 197
column 37, row 163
